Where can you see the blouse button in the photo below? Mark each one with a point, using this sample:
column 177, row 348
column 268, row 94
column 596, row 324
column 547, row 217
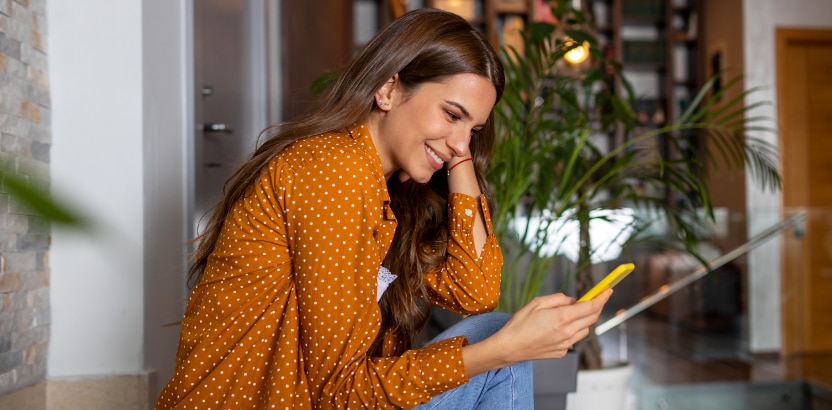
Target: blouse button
column 469, row 212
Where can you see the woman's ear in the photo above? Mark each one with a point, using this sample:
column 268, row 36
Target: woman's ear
column 384, row 95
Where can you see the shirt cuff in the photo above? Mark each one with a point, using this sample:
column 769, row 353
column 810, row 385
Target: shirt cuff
column 442, row 365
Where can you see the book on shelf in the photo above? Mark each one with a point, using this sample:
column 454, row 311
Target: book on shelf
column 644, row 51
column 643, row 8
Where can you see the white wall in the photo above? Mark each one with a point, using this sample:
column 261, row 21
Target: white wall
column 118, row 75
column 761, row 18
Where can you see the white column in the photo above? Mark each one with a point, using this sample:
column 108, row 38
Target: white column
column 95, row 65
column 119, row 73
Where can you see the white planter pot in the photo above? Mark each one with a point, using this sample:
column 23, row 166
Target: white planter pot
column 602, row 389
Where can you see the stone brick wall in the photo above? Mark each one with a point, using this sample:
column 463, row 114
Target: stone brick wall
column 25, row 140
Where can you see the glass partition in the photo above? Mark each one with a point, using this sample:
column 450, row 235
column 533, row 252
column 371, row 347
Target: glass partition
column 755, row 332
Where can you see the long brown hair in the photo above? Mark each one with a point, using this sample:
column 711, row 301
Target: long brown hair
column 421, row 46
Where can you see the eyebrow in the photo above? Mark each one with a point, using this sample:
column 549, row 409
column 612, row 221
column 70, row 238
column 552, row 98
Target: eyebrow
column 465, row 112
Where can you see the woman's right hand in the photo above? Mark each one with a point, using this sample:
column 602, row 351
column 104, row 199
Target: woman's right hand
column 543, row 329
column 549, row 326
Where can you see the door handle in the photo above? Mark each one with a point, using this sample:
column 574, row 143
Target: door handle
column 217, row 127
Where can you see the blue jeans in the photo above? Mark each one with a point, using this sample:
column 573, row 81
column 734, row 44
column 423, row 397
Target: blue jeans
column 501, row 389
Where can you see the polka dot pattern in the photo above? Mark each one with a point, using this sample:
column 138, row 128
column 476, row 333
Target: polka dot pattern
column 286, row 309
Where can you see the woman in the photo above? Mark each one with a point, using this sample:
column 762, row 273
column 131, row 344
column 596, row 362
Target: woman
column 315, row 268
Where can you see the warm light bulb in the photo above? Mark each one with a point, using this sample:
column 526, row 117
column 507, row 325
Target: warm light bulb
column 578, row 54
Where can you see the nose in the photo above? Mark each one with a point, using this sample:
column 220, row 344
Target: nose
column 459, row 142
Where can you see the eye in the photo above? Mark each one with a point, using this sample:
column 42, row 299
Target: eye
column 452, row 116
column 475, row 131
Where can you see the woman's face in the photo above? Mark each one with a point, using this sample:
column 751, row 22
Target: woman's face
column 420, row 131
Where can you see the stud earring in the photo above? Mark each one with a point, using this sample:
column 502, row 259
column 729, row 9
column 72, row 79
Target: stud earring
column 382, row 104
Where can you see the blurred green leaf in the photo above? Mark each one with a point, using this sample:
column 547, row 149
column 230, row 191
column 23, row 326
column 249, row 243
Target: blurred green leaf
column 38, row 201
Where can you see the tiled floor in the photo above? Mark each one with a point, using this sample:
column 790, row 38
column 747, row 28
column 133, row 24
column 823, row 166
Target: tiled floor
column 670, row 354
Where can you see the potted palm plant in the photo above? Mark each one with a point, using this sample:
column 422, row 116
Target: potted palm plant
column 554, row 171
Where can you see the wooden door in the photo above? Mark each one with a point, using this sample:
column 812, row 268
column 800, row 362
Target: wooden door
column 804, row 76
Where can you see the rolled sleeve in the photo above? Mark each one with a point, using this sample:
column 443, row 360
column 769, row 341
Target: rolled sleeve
column 468, row 282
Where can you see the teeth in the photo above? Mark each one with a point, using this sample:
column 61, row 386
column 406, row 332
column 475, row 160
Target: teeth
column 433, row 154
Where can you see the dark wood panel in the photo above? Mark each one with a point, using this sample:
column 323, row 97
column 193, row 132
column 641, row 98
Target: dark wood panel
column 317, row 38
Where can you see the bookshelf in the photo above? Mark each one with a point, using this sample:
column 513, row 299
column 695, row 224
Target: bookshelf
column 499, row 19
column 657, row 42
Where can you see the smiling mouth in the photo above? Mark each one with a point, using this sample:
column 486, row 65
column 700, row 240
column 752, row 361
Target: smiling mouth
column 435, row 157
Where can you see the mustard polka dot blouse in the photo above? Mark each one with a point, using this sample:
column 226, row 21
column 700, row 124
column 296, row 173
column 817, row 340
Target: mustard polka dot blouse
column 286, row 309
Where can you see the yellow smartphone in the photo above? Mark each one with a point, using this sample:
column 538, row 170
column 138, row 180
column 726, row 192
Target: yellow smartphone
column 609, row 281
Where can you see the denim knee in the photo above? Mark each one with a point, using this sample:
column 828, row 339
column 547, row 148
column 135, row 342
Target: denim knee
column 475, row 327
